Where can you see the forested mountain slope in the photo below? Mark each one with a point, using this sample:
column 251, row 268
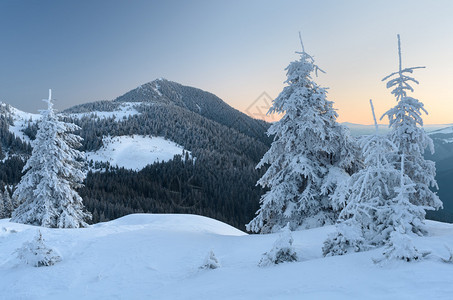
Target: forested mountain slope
column 217, row 179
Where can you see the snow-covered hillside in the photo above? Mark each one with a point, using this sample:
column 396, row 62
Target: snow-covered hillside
column 158, row 257
column 124, row 111
column 135, row 152
column 131, row 152
column 20, row 120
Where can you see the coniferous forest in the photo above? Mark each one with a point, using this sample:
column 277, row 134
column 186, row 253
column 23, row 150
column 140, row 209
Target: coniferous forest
column 226, row 146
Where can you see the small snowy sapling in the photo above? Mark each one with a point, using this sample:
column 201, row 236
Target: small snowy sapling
column 282, row 250
column 38, row 254
column 211, row 261
column 401, row 247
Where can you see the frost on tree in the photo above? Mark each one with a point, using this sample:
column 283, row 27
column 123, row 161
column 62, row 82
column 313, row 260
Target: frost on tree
column 53, row 172
column 37, row 254
column 365, row 198
column 310, row 154
column 404, row 217
column 406, row 220
column 401, row 247
column 282, row 251
column 385, row 202
column 410, row 138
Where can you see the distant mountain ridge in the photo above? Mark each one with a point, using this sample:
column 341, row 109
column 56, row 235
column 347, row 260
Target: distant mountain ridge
column 360, row 129
column 168, row 93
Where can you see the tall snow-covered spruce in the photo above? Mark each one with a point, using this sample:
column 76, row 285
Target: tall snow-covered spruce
column 410, row 138
column 310, row 154
column 46, row 192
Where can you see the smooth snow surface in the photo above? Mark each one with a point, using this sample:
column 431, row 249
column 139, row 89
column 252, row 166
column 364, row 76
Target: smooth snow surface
column 135, row 152
column 158, row 257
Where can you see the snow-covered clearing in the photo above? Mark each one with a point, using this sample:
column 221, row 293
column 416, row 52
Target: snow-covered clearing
column 125, row 110
column 135, row 152
column 158, row 257
column 21, row 119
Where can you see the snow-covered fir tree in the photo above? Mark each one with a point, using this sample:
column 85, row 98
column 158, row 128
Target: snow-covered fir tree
column 410, row 138
column 364, row 199
column 404, row 218
column 376, row 202
column 282, row 250
column 53, row 172
column 310, row 154
column 37, row 253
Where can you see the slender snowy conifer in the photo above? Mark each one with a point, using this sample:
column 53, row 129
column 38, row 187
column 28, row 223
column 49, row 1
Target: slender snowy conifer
column 53, row 172
column 410, row 138
column 310, row 154
column 405, row 218
column 377, row 208
column 364, row 197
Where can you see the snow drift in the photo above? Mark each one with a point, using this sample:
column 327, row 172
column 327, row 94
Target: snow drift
column 159, row 257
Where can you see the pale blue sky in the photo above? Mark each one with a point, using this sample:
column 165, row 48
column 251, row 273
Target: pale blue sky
column 98, row 50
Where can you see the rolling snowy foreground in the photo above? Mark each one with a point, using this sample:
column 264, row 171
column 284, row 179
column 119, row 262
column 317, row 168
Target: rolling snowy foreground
column 158, row 257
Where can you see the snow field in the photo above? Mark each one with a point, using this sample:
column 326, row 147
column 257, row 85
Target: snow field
column 135, row 152
column 147, row 256
column 20, row 120
column 126, row 109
